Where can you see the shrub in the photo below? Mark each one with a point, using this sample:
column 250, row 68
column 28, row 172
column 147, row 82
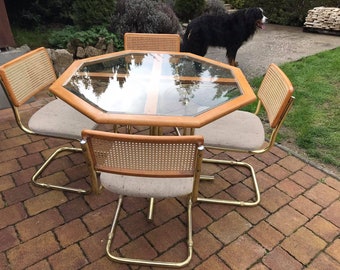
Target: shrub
column 71, row 34
column 188, row 9
column 30, row 14
column 237, row 3
column 143, row 16
column 286, row 12
column 214, row 7
column 94, row 12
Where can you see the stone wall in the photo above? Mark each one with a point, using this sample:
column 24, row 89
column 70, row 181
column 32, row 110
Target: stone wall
column 62, row 58
column 323, row 20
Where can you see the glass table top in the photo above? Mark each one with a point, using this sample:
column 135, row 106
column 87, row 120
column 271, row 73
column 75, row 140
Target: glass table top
column 153, row 84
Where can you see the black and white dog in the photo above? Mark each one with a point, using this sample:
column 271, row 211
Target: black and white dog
column 229, row 31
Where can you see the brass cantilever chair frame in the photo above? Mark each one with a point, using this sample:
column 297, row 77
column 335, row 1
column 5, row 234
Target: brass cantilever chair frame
column 245, row 130
column 144, row 166
column 23, row 78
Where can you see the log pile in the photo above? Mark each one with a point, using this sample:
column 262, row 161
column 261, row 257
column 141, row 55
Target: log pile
column 323, row 20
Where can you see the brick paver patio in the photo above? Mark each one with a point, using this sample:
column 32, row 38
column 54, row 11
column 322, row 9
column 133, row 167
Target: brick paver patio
column 296, row 225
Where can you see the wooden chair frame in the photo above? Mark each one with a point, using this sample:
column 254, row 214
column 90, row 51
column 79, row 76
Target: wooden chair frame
column 22, row 78
column 275, row 95
column 126, row 154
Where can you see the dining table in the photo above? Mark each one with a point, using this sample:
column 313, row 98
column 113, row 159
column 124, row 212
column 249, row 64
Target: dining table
column 152, row 88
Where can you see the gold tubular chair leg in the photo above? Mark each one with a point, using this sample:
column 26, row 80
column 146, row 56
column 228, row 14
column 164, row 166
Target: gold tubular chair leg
column 238, row 203
column 207, row 177
column 47, row 162
column 152, row 201
column 156, row 131
column 148, row 262
column 128, row 129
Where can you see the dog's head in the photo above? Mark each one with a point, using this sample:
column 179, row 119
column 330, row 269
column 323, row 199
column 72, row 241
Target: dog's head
column 256, row 17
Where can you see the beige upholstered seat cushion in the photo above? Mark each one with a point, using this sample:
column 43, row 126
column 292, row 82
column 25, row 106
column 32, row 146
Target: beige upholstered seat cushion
column 57, row 118
column 237, row 130
column 146, row 186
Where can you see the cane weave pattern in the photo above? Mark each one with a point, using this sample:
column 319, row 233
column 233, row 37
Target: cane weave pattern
column 140, row 157
column 274, row 93
column 152, row 42
column 26, row 76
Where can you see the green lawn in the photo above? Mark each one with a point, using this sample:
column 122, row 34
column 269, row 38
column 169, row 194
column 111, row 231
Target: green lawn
column 33, row 38
column 314, row 121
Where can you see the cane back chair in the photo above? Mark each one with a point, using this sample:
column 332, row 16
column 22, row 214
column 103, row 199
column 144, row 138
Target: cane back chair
column 152, row 42
column 243, row 131
column 144, row 166
column 23, row 78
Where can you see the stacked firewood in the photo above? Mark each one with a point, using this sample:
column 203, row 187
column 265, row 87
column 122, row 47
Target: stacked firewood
column 324, row 19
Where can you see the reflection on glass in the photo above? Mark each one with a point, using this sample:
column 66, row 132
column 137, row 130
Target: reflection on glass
column 152, row 83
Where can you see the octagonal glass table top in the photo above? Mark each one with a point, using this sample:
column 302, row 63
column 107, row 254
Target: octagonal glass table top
column 153, row 88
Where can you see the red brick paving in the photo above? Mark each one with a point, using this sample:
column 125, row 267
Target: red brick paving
column 296, row 225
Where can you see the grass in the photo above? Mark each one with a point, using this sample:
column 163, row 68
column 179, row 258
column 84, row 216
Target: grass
column 33, row 38
column 313, row 123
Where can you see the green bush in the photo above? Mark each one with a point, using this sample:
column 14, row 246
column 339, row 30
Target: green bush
column 237, row 3
column 143, row 16
column 189, row 9
column 95, row 12
column 83, row 13
column 285, row 12
column 90, row 37
column 33, row 13
column 214, row 7
column 34, row 38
